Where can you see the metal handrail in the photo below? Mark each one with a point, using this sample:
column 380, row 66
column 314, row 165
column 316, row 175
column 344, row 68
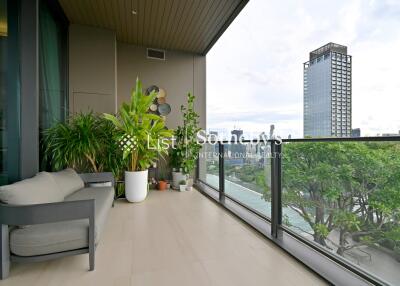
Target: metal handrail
column 319, row 139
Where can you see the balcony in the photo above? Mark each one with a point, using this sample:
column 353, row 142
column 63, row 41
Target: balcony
column 172, row 238
column 322, row 200
column 305, row 212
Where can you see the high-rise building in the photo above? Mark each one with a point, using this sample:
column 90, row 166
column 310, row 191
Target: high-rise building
column 327, row 92
column 356, row 132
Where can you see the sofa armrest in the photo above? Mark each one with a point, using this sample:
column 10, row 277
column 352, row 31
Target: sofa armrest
column 43, row 213
column 47, row 213
column 98, row 178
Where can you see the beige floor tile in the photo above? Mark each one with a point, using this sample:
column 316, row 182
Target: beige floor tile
column 172, row 238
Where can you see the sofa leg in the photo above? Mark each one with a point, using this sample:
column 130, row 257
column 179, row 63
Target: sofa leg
column 91, row 261
column 92, row 243
column 4, row 252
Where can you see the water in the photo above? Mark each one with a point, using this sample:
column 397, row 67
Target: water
column 255, row 201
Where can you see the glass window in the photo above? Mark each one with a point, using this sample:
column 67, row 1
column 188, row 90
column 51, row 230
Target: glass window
column 9, row 91
column 3, row 70
column 209, row 164
column 52, row 68
column 248, row 175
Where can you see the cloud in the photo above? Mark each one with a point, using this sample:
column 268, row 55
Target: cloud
column 255, row 72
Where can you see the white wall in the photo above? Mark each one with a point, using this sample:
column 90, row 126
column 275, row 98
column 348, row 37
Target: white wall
column 179, row 74
column 92, row 69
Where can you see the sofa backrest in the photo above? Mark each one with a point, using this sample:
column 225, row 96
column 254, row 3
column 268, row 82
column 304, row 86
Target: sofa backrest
column 68, row 181
column 39, row 189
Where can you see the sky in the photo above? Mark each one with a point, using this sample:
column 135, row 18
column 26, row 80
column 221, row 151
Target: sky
column 255, row 70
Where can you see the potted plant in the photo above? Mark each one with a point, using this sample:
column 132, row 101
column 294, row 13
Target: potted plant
column 84, row 142
column 142, row 137
column 186, row 147
column 162, row 184
column 182, row 185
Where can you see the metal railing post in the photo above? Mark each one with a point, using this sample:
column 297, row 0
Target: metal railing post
column 276, row 187
column 221, row 152
column 197, row 173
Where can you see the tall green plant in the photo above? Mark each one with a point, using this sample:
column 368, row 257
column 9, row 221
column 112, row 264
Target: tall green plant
column 141, row 135
column 84, row 142
column 186, row 149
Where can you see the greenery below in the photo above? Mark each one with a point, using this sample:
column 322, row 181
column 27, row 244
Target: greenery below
column 347, row 192
column 348, row 187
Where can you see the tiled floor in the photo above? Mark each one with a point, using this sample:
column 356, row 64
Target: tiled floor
column 172, row 238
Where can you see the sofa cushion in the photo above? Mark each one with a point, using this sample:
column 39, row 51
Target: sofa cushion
column 37, row 190
column 63, row 236
column 68, row 181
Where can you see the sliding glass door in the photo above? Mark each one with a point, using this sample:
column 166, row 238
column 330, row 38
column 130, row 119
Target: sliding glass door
column 9, row 91
column 3, row 68
column 53, row 67
column 53, row 33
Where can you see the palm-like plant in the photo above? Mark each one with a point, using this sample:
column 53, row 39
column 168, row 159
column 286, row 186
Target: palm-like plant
column 140, row 133
column 84, row 142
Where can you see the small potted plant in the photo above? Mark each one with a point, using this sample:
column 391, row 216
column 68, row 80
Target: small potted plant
column 162, row 184
column 182, row 185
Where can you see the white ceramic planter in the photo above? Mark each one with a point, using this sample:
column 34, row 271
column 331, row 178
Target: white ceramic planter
column 182, row 188
column 136, row 186
column 176, row 178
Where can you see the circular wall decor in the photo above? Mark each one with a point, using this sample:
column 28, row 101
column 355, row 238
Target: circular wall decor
column 153, row 107
column 151, row 88
column 164, row 109
column 161, row 100
column 161, row 93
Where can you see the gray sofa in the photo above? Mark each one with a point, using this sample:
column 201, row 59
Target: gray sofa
column 53, row 215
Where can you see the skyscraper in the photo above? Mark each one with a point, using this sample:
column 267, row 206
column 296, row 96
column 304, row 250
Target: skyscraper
column 327, row 92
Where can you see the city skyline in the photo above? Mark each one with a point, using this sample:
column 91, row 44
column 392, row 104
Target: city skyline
column 266, row 85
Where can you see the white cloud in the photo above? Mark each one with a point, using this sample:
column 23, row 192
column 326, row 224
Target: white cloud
column 255, row 69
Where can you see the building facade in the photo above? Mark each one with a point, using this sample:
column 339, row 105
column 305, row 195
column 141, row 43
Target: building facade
column 328, row 92
column 356, row 132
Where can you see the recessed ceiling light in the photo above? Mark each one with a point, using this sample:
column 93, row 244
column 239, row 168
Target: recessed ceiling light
column 134, row 12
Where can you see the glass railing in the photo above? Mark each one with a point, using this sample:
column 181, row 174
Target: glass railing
column 341, row 197
column 209, row 164
column 345, row 197
column 247, row 174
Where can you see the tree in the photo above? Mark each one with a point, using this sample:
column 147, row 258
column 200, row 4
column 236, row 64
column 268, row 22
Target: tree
column 351, row 188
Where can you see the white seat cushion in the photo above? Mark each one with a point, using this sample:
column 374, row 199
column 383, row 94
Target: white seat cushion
column 63, row 236
column 40, row 189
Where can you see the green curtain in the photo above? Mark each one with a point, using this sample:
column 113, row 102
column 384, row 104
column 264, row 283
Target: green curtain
column 53, row 92
column 3, row 70
column 52, row 50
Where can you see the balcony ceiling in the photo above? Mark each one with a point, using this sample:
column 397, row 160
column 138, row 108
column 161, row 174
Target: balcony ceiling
column 183, row 25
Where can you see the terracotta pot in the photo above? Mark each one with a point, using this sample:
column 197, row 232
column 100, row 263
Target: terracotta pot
column 162, row 185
